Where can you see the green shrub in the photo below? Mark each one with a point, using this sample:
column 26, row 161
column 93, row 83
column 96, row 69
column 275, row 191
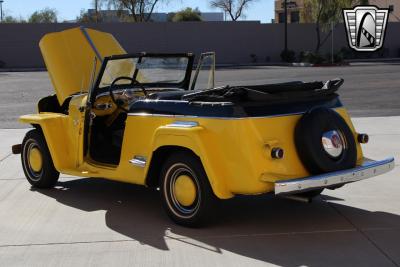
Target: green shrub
column 303, row 56
column 311, row 57
column 338, row 57
column 187, row 14
column 315, row 58
column 288, row 56
column 347, row 53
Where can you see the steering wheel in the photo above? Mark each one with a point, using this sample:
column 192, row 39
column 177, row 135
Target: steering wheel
column 119, row 102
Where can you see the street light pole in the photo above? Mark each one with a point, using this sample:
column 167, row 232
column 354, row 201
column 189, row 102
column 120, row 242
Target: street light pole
column 96, row 14
column 1, row 10
column 286, row 22
column 332, row 29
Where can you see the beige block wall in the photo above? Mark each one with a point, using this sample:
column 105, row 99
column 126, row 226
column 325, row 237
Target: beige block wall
column 234, row 42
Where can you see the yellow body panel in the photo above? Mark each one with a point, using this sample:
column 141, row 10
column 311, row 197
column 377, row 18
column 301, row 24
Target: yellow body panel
column 235, row 153
column 70, row 59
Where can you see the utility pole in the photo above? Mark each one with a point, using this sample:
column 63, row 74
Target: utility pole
column 96, row 9
column 1, row 10
column 286, row 22
column 332, row 29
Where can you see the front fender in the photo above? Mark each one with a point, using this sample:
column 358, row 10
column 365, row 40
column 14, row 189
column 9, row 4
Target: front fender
column 54, row 128
column 196, row 139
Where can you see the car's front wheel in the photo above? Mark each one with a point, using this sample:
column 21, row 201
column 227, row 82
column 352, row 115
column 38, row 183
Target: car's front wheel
column 186, row 193
column 36, row 161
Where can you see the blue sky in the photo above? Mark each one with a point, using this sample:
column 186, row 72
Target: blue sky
column 68, row 9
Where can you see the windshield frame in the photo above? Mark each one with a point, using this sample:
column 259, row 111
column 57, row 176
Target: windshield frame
column 184, row 84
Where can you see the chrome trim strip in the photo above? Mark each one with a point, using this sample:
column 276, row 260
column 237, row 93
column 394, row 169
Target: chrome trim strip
column 222, row 103
column 211, row 117
column 368, row 169
column 139, row 161
column 183, row 124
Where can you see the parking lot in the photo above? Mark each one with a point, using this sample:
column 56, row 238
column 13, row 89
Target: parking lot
column 102, row 223
column 369, row 90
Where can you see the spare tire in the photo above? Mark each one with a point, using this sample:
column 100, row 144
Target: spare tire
column 324, row 141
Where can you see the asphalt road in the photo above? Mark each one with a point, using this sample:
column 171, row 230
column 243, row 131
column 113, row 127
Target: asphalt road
column 369, row 90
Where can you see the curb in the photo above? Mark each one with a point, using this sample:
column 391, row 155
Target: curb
column 374, row 60
column 22, row 69
column 302, row 64
column 332, row 65
column 233, row 66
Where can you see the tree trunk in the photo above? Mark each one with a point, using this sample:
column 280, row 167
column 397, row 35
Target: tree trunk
column 232, row 17
column 151, row 10
column 317, row 28
column 326, row 38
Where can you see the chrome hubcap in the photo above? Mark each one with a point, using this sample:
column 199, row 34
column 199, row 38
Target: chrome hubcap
column 333, row 144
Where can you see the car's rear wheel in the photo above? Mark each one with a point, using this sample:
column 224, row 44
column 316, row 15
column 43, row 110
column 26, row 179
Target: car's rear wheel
column 36, row 161
column 186, row 193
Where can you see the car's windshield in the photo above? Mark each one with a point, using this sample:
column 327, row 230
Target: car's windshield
column 147, row 70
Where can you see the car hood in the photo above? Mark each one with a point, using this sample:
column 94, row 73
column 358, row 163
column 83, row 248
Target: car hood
column 70, row 57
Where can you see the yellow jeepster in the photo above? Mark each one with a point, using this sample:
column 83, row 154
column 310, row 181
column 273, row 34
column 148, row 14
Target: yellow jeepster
column 147, row 119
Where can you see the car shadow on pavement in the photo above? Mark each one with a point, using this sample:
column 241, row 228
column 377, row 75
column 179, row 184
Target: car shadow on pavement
column 273, row 230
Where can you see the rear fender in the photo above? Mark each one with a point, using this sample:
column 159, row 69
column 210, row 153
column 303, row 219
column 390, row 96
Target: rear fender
column 190, row 138
column 345, row 115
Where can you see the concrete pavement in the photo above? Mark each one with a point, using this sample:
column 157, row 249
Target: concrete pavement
column 101, row 223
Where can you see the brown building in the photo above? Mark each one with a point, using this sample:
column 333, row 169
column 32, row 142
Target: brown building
column 393, row 5
column 296, row 7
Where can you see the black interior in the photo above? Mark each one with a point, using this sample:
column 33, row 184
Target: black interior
column 228, row 101
column 169, row 95
column 263, row 92
column 106, row 140
column 51, row 104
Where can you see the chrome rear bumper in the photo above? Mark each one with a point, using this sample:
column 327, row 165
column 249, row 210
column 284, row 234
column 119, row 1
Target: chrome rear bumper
column 368, row 169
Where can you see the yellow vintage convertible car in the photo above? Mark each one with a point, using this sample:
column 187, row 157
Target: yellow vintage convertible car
column 145, row 119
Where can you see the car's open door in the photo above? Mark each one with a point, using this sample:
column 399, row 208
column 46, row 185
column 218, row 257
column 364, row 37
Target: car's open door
column 204, row 77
